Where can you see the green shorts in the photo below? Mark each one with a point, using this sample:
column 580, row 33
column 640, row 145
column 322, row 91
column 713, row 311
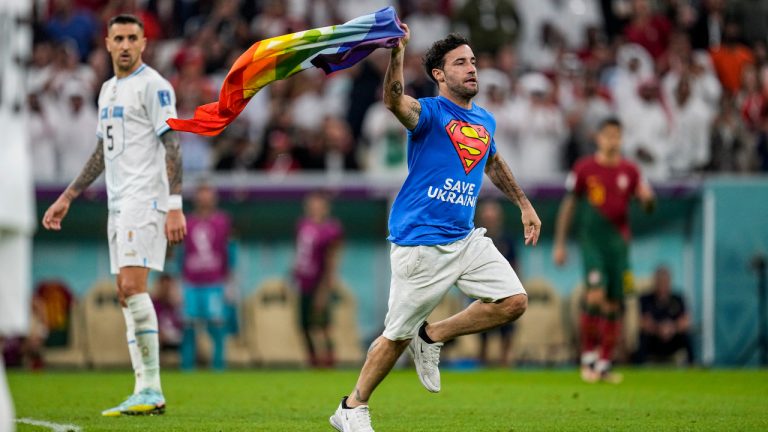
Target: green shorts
column 606, row 265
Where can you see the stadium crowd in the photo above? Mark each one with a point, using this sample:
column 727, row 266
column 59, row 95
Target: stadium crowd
column 689, row 78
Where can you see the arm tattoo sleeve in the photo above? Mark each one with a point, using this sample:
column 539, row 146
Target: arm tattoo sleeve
column 500, row 174
column 91, row 171
column 170, row 140
column 412, row 115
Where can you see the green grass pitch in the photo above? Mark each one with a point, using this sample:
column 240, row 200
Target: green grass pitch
column 490, row 400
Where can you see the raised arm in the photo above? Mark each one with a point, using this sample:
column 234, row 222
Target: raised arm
column 500, row 174
column 175, row 224
column 90, row 172
column 405, row 108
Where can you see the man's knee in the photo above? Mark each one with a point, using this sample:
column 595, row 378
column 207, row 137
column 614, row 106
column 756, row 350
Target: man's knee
column 514, row 307
column 129, row 286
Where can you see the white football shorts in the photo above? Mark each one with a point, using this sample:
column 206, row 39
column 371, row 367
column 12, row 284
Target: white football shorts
column 16, row 282
column 422, row 275
column 136, row 239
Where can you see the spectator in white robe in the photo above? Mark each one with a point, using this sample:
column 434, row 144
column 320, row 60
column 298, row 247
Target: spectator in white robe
column 647, row 132
column 690, row 136
column 634, row 66
column 540, row 131
column 76, row 130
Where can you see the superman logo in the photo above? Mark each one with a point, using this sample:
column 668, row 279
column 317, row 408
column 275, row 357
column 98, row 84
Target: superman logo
column 470, row 142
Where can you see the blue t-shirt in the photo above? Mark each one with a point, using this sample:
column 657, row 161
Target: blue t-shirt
column 447, row 152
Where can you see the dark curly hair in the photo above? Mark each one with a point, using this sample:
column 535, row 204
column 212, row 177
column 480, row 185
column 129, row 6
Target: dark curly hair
column 435, row 56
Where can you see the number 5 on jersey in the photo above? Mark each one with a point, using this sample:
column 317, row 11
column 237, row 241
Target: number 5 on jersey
column 113, row 120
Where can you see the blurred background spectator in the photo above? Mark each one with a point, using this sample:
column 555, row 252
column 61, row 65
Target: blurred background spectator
column 318, row 248
column 665, row 324
column 207, row 262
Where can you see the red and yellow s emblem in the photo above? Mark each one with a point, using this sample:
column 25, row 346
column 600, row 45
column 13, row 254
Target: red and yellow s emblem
column 470, row 141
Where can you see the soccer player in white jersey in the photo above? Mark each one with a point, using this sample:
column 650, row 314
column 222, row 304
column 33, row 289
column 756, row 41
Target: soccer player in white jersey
column 17, row 198
column 141, row 159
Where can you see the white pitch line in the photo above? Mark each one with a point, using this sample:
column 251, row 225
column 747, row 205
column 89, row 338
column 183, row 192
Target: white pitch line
column 55, row 427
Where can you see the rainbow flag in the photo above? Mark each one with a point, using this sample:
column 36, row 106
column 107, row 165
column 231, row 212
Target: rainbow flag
column 330, row 48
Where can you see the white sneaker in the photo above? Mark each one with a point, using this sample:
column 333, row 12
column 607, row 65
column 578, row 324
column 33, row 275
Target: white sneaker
column 357, row 419
column 426, row 357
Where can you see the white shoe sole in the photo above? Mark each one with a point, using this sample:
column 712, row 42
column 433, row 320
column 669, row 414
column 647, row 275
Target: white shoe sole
column 335, row 424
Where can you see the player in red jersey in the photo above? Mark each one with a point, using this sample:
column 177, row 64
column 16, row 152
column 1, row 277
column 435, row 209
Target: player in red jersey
column 602, row 186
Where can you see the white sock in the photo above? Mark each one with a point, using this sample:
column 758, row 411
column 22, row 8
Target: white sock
column 145, row 318
column 133, row 349
column 6, row 404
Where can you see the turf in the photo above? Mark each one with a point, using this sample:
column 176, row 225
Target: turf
column 491, row 400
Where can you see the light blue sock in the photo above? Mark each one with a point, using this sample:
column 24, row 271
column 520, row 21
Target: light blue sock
column 218, row 338
column 188, row 347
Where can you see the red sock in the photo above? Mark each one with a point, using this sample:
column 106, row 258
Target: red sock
column 610, row 335
column 590, row 328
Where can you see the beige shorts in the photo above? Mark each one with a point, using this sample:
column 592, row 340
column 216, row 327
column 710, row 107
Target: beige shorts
column 16, row 282
column 422, row 275
column 136, row 239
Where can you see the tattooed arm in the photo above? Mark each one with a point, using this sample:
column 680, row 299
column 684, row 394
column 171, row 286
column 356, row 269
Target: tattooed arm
column 500, row 174
column 170, row 140
column 91, row 171
column 175, row 223
column 405, row 108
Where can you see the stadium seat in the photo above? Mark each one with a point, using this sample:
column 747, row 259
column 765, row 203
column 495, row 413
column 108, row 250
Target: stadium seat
column 345, row 331
column 105, row 344
column 540, row 335
column 65, row 326
column 271, row 325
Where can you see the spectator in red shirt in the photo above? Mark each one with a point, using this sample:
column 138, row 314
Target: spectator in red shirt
column 649, row 30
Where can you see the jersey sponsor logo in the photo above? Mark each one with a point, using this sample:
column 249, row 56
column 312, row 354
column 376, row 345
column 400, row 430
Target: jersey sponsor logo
column 165, row 97
column 104, row 113
column 470, row 141
column 117, row 111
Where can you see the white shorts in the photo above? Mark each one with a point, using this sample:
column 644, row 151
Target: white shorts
column 422, row 275
column 136, row 239
column 15, row 283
